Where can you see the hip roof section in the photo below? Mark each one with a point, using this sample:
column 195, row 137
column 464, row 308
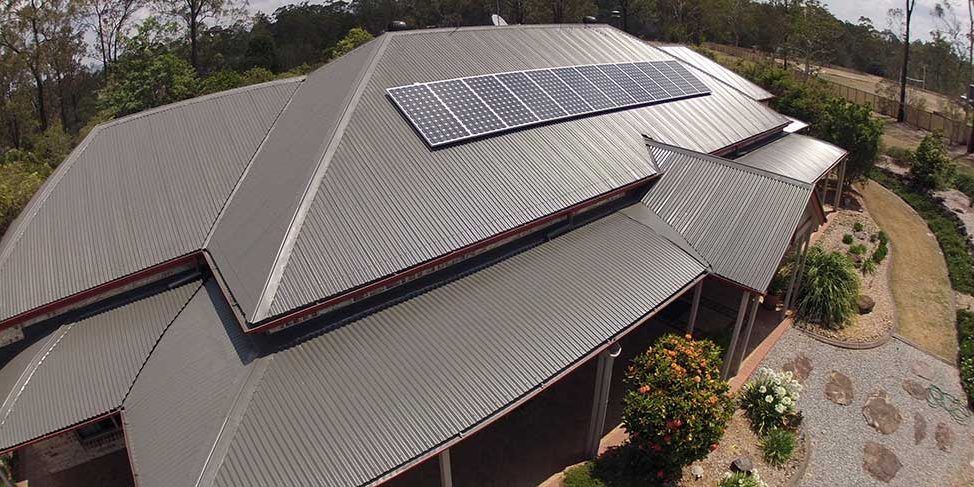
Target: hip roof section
column 136, row 192
column 718, row 72
column 379, row 200
column 797, row 156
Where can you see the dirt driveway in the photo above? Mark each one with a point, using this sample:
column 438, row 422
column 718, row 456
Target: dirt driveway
column 921, row 288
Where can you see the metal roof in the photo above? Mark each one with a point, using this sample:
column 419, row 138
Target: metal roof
column 795, row 126
column 739, row 218
column 718, row 72
column 380, row 200
column 797, row 156
column 84, row 368
column 136, row 192
column 186, row 391
column 354, row 404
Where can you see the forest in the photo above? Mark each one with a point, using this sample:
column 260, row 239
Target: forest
column 67, row 65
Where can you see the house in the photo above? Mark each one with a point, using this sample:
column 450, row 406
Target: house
column 339, row 279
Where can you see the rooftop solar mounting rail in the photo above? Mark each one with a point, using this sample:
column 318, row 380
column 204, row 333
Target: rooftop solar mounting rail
column 448, row 111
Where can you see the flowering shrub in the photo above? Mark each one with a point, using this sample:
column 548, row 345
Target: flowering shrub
column 770, row 400
column 676, row 406
column 741, row 479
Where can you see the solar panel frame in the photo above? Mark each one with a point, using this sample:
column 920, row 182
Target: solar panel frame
column 449, row 111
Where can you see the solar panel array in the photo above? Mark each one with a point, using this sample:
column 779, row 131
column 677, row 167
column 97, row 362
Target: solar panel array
column 448, row 111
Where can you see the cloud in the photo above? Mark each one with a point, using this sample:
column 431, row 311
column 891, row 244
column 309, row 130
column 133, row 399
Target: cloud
column 923, row 22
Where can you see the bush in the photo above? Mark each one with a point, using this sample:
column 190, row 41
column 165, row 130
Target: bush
column 965, row 335
column 581, row 476
column 883, row 238
column 676, row 407
column 770, row 400
column 858, row 227
column 852, row 127
column 741, row 479
column 899, row 154
column 964, row 183
column 880, row 253
column 778, row 446
column 960, row 264
column 354, row 38
column 829, row 290
column 857, row 249
column 868, row 266
column 847, row 239
column 932, row 167
column 18, row 182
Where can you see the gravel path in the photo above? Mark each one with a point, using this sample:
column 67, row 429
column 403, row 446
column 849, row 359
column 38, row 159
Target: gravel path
column 840, row 433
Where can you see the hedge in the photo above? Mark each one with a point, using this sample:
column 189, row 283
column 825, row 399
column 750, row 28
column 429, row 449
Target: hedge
column 965, row 335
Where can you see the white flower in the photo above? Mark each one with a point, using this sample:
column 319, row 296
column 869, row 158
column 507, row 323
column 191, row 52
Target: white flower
column 769, row 399
column 762, row 389
column 780, row 408
column 786, row 401
column 780, row 391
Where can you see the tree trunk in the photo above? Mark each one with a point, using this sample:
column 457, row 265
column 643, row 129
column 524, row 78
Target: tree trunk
column 901, row 113
column 193, row 24
column 41, row 106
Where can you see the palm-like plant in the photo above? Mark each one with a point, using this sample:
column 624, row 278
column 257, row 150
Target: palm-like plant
column 830, row 288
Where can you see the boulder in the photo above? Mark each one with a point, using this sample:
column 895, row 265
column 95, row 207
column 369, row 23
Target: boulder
column 743, row 464
column 866, row 304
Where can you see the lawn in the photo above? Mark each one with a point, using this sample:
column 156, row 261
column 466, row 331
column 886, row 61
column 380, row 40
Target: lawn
column 919, row 279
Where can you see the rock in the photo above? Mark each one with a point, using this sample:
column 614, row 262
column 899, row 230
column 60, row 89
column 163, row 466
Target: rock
column 697, row 472
column 799, row 366
column 743, row 464
column 915, row 389
column 880, row 462
column 944, row 437
column 866, row 304
column 838, row 389
column 922, row 370
column 919, row 428
column 881, row 414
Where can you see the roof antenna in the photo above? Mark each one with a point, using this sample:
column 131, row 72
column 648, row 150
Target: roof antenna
column 397, row 25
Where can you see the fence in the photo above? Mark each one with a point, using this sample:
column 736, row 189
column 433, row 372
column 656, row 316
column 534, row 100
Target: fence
column 957, row 131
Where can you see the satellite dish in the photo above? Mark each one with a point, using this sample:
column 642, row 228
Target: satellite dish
column 497, row 19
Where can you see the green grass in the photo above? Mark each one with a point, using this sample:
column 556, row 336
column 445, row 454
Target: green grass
column 965, row 337
column 960, row 264
column 778, row 446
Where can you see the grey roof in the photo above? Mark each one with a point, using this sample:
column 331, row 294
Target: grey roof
column 739, row 218
column 380, row 200
column 136, row 192
column 717, row 71
column 795, row 126
column 797, row 156
column 84, row 368
column 354, row 404
column 182, row 398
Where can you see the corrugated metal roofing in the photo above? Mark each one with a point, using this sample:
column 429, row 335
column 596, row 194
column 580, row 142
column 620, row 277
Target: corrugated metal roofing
column 183, row 396
column 795, row 126
column 386, row 202
column 741, row 219
column 718, row 72
column 86, row 367
column 797, row 156
column 357, row 402
column 137, row 192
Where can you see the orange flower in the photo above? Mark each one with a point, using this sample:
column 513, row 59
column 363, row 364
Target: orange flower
column 689, row 336
column 644, row 389
column 696, row 379
column 712, row 400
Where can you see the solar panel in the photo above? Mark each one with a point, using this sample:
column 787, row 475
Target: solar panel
column 587, row 91
column 672, row 91
column 595, row 75
column 451, row 110
column 687, row 76
column 432, row 120
column 472, row 113
column 560, row 92
column 538, row 101
column 501, row 100
column 627, row 83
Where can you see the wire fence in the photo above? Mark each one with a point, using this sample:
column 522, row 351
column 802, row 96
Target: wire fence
column 957, row 131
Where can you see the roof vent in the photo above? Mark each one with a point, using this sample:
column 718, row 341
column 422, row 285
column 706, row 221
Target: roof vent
column 398, row 25
column 589, row 19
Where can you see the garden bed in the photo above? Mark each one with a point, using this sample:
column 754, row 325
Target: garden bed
column 740, row 441
column 875, row 326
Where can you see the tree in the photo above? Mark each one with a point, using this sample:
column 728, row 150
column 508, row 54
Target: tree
column 110, row 21
column 355, row 37
column 931, row 166
column 901, row 112
column 193, row 14
column 852, row 127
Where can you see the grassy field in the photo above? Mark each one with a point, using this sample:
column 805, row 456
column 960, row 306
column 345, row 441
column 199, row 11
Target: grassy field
column 918, row 278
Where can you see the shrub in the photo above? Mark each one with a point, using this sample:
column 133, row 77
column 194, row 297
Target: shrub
column 741, row 479
column 964, row 182
column 581, row 476
column 960, row 264
column 18, row 182
column 770, row 400
column 932, row 167
column 857, row 226
column 676, row 407
column 857, row 249
column 852, row 127
column 868, row 266
column 847, row 239
column 899, row 154
column 883, row 238
column 830, row 288
column 965, row 335
column 778, row 446
column 880, row 253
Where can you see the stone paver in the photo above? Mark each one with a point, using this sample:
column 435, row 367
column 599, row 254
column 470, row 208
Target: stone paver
column 839, row 389
column 944, row 437
column 909, row 455
column 881, row 414
column 800, row 366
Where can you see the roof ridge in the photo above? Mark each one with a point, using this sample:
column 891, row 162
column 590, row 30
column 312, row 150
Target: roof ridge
column 283, row 257
column 700, row 70
column 726, row 162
